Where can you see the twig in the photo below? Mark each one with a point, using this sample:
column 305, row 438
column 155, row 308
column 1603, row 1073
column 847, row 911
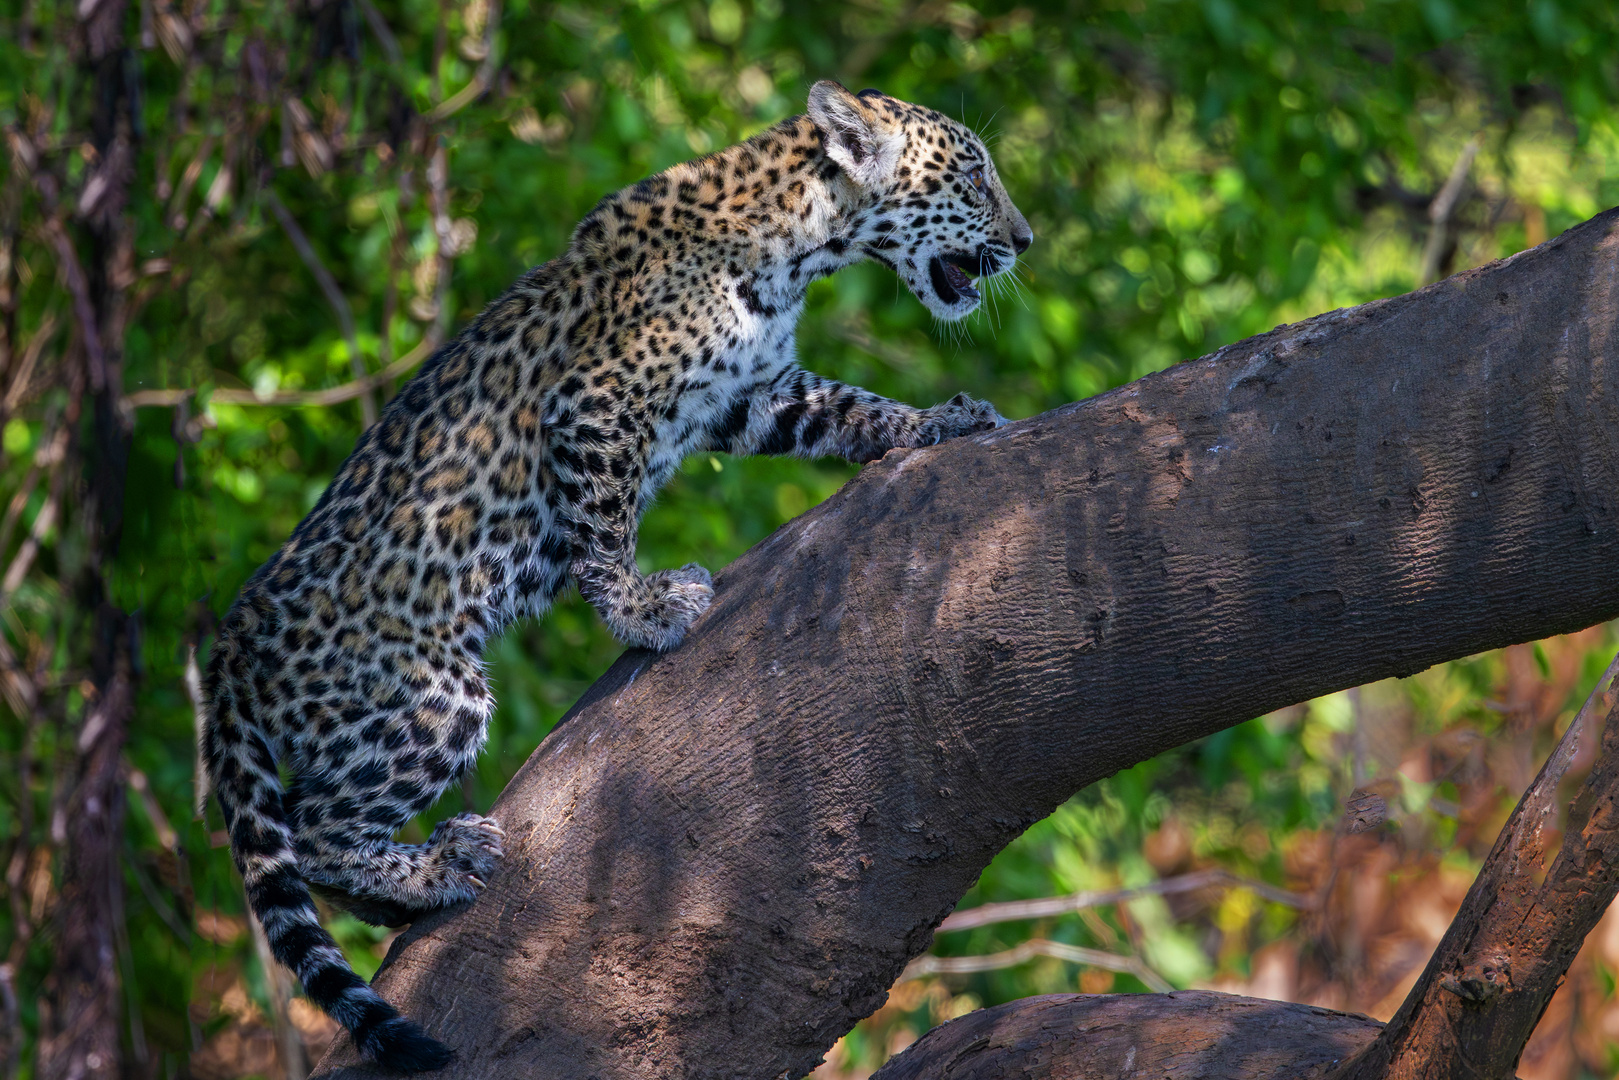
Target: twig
column 13, row 1036
column 385, row 36
column 22, row 696
column 857, row 332
column 164, row 909
column 25, row 365
column 481, row 81
column 43, row 522
column 175, row 217
column 22, row 928
column 438, row 204
column 390, row 292
column 294, row 1065
column 330, row 396
column 83, row 309
column 199, row 714
column 967, row 965
column 166, row 836
column 1045, row 907
column 334, row 297
column 177, row 431
column 1441, row 208
column 52, row 449
column 126, row 963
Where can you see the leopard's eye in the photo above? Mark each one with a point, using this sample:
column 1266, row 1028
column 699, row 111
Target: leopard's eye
column 977, row 179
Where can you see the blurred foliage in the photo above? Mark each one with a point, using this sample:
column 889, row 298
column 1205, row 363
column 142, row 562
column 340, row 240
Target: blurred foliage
column 1195, row 172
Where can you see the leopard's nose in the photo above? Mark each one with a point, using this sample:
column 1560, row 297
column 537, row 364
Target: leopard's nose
column 1022, row 240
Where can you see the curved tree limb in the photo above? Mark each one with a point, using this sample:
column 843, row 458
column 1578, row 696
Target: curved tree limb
column 725, row 855
column 332, row 395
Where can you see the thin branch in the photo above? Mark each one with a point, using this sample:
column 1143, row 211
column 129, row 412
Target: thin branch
column 24, row 560
column 334, row 297
column 176, row 215
column 967, row 965
column 52, row 449
column 13, row 1022
column 164, row 909
column 25, row 366
column 857, row 332
column 142, row 787
column 481, row 81
column 330, row 396
column 385, row 35
column 22, row 696
column 44, row 520
column 83, row 309
column 199, row 713
column 290, row 1048
column 1439, row 211
column 126, row 963
column 438, row 202
column 1045, row 907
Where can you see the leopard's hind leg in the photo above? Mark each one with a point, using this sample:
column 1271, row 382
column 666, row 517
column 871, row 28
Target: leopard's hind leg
column 345, row 814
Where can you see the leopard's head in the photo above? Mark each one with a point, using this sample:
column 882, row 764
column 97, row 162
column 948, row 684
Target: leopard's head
column 935, row 210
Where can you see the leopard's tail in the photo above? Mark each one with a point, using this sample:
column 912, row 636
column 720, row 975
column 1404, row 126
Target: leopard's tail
column 242, row 768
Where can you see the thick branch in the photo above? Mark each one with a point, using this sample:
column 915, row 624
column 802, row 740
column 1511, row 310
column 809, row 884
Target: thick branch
column 724, row 856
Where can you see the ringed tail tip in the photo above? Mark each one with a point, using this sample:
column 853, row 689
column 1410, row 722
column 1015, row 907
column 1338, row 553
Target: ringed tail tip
column 402, row 1046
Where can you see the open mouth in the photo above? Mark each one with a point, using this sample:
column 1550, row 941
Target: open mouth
column 950, row 277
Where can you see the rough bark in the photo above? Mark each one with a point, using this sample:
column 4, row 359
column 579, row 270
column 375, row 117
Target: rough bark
column 724, row 856
column 1190, row 1035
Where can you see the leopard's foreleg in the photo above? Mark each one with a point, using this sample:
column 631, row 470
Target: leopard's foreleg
column 803, row 414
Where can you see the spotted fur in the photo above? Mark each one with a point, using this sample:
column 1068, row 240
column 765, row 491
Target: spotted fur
column 522, row 457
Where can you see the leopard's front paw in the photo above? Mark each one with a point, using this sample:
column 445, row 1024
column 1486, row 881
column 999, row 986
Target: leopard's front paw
column 678, row 597
column 468, row 848
column 961, row 415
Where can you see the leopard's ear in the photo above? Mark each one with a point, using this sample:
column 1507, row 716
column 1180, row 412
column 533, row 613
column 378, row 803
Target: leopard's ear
column 863, row 142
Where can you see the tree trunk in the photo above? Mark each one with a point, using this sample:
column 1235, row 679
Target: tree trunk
column 81, row 1009
column 724, row 856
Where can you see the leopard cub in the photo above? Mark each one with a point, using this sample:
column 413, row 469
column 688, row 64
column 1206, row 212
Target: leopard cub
column 521, row 457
